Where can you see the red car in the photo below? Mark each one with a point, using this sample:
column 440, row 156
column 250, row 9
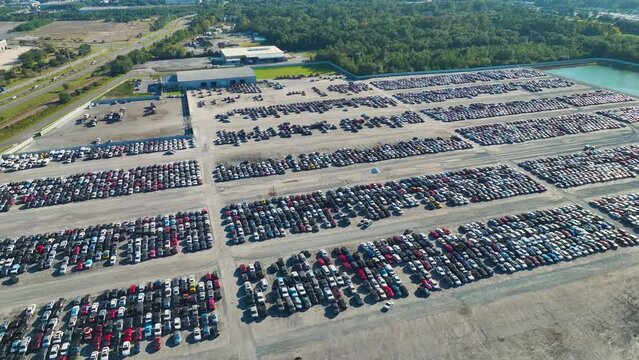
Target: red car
column 133, row 289
column 389, row 292
column 106, row 340
column 37, row 341
column 211, row 304
column 243, row 268
column 128, row 334
column 157, row 344
column 79, row 266
column 138, row 335
column 97, row 341
column 87, row 334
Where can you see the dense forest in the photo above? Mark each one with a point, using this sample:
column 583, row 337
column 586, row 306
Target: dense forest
column 379, row 36
column 387, row 36
column 569, row 7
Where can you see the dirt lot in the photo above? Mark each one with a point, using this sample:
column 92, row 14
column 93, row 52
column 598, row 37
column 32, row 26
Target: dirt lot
column 5, row 26
column 9, row 57
column 167, row 121
column 583, row 309
column 91, row 31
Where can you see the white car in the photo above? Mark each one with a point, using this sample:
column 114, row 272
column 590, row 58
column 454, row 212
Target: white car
column 388, row 305
column 53, row 353
column 94, row 355
column 31, row 309
column 197, row 334
column 254, row 312
column 64, row 349
column 157, row 330
column 126, row 348
column 177, row 323
column 104, row 355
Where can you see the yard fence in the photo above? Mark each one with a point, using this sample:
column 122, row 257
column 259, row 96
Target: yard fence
column 545, row 64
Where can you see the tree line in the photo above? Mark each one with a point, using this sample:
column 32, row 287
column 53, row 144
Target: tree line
column 378, row 36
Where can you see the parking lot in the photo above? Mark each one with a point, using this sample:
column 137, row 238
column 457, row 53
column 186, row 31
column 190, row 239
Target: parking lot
column 135, row 125
column 559, row 305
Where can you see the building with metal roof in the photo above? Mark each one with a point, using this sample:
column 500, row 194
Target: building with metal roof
column 252, row 55
column 209, row 78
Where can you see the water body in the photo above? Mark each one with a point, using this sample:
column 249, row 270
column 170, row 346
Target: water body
column 611, row 77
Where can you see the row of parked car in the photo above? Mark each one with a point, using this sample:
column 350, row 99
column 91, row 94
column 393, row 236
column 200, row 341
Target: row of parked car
column 349, row 88
column 487, row 110
column 587, row 167
column 469, row 92
column 624, row 208
column 598, row 97
column 505, row 245
column 543, row 237
column 99, row 184
column 626, row 114
column 318, row 106
column 25, row 161
column 269, row 218
column 537, row 129
column 465, row 92
column 81, row 249
column 284, row 130
column 543, row 84
column 393, row 121
column 457, row 79
column 115, row 323
column 247, row 88
column 339, row 158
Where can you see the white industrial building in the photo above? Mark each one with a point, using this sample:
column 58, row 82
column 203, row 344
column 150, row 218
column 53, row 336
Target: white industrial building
column 252, row 55
column 209, row 78
column 3, row 44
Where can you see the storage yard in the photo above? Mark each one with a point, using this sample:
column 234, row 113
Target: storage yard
column 476, row 214
column 138, row 122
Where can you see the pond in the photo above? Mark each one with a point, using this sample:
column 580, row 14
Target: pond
column 611, row 77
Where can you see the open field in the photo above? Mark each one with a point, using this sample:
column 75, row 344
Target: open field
column 123, row 90
column 91, row 31
column 6, row 26
column 271, row 72
column 583, row 309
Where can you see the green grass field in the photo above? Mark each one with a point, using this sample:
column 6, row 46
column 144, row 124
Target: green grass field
column 271, row 72
column 121, row 91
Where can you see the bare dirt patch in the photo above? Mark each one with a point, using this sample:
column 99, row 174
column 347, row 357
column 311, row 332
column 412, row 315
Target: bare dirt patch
column 91, row 31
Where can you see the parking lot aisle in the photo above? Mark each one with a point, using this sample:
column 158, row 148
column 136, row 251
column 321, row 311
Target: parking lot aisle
column 241, row 342
column 100, row 211
column 93, row 282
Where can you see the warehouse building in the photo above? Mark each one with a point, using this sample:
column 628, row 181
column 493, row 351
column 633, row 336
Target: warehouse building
column 252, row 55
column 3, row 45
column 209, row 78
